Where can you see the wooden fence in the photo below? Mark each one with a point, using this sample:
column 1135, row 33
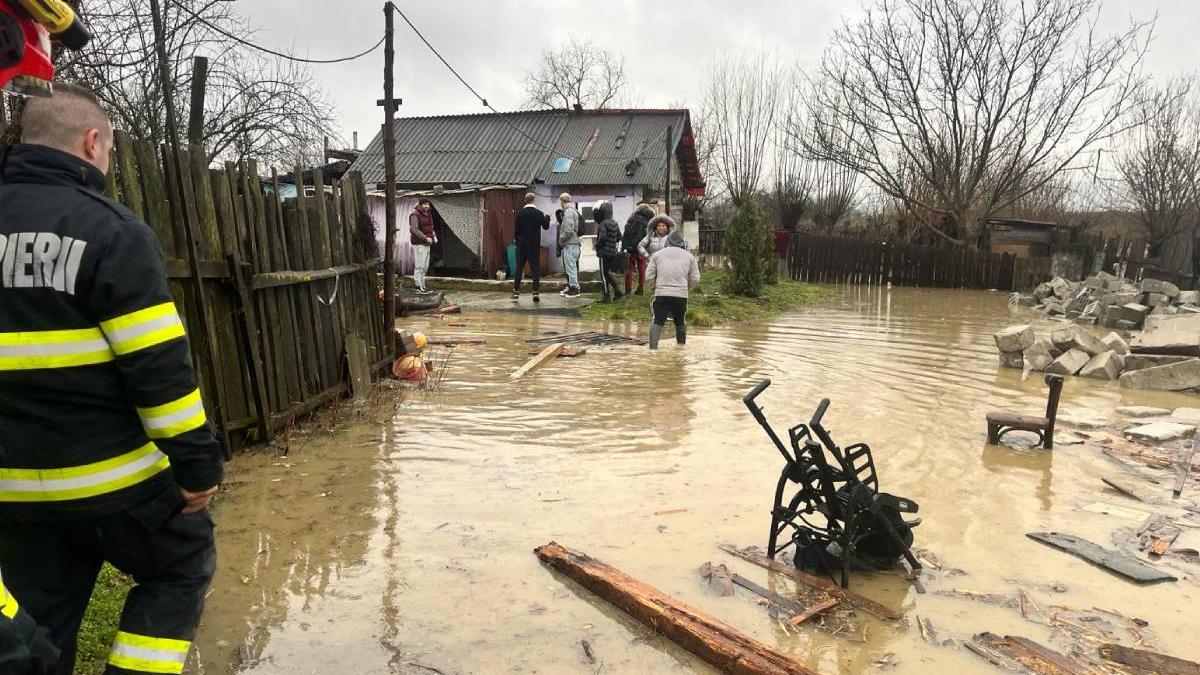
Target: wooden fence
column 286, row 282
column 837, row 260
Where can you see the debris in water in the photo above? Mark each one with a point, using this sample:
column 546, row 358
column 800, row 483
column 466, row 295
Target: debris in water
column 718, row 577
column 546, row 355
column 1126, row 489
column 1183, row 466
column 1126, row 566
column 1030, row 654
column 669, row 511
column 713, row 641
column 1147, row 661
column 587, row 652
column 753, row 555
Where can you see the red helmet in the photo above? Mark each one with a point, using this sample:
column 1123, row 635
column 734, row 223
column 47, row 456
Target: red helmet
column 25, row 66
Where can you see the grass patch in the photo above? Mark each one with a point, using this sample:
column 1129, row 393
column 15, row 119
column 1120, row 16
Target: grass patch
column 707, row 306
column 101, row 620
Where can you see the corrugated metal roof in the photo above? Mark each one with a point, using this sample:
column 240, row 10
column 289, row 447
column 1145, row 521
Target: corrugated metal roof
column 620, row 138
column 486, row 149
column 465, row 148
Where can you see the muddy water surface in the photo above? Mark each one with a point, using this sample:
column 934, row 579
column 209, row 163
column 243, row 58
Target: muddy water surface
column 403, row 544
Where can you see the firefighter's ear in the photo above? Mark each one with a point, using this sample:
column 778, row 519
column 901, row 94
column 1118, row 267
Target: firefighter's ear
column 97, row 143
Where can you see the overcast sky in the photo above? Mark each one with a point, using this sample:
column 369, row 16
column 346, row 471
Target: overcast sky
column 667, row 43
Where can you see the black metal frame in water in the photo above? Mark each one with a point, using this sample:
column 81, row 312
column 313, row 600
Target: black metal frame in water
column 862, row 527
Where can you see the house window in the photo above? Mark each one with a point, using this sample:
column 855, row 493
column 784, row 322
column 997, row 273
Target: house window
column 561, row 165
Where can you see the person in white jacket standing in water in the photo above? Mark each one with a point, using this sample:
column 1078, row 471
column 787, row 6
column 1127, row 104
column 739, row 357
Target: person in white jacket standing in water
column 673, row 273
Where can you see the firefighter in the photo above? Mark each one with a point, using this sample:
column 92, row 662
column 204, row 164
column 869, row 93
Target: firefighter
column 25, row 647
column 105, row 451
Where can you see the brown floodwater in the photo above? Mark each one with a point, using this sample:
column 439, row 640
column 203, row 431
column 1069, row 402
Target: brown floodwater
column 403, row 543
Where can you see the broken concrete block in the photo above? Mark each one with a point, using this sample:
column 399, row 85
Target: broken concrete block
column 1186, row 416
column 1142, row 411
column 1012, row 360
column 1171, row 377
column 1188, row 309
column 1158, row 286
column 1122, row 324
column 1021, row 300
column 1069, row 363
column 1188, row 298
column 1083, row 418
column 1103, row 366
column 1074, row 337
column 1043, row 291
column 1062, row 288
column 1115, row 342
column 1169, row 335
column 1132, row 312
column 1164, row 310
column 1143, row 361
column 1156, row 300
column 1119, row 298
column 1160, row 432
column 1039, row 355
column 1014, row 339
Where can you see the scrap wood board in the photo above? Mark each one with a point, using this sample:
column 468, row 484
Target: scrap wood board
column 1147, row 661
column 1126, row 566
column 545, row 356
column 812, row 581
column 717, row 643
column 1030, row 654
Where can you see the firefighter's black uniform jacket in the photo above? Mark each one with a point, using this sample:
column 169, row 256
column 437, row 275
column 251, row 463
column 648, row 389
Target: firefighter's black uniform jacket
column 100, row 416
column 25, row 647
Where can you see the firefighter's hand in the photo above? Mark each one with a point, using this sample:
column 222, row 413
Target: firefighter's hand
column 194, row 502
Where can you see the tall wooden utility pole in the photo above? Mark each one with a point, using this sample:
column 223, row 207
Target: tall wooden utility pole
column 389, row 104
column 182, row 173
column 667, row 178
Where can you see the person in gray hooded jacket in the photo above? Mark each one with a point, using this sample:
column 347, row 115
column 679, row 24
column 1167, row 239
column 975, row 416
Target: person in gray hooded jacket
column 673, row 273
column 568, row 240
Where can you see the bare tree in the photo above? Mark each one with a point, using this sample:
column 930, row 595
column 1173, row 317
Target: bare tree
column 580, row 72
column 959, row 108
column 1159, row 165
column 835, row 191
column 256, row 105
column 792, row 188
column 742, row 97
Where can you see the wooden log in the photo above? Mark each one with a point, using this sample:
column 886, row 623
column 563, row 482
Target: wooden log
column 813, row 581
column 545, row 356
column 717, row 643
column 1147, row 661
column 1032, row 655
column 1126, row 566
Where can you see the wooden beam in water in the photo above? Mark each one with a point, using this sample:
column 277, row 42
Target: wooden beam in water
column 545, row 356
column 717, row 643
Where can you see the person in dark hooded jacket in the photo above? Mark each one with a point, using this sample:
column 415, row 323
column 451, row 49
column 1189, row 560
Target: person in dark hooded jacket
column 635, row 230
column 608, row 241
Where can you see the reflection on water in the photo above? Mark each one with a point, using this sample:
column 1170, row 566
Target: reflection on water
column 389, row 548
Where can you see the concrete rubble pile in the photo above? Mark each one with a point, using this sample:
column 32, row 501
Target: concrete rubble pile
column 1109, row 300
column 1164, row 356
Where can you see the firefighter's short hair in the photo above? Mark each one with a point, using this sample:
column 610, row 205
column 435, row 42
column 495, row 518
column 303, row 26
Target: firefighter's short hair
column 59, row 120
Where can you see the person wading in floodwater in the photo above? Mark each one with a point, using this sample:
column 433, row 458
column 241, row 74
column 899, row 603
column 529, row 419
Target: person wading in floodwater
column 422, row 237
column 672, row 272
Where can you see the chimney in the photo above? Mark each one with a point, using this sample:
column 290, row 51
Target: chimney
column 355, row 141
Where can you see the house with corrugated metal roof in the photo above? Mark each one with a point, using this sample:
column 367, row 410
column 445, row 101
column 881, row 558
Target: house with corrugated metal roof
column 477, row 168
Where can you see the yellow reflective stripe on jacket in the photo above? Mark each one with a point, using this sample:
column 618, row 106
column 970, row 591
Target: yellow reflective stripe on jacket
column 174, row 418
column 8, row 604
column 148, row 654
column 144, row 328
column 79, row 482
column 32, row 350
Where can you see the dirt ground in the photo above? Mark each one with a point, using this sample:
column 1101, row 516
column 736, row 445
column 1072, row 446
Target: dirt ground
column 399, row 540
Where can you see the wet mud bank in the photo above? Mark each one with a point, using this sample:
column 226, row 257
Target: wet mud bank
column 403, row 544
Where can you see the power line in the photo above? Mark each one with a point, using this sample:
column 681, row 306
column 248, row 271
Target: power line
column 504, row 118
column 272, row 52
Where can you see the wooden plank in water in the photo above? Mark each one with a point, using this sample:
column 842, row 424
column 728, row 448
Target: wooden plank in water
column 1126, row 566
column 1032, row 655
column 812, row 581
column 545, row 356
column 717, row 643
column 1183, row 466
column 1125, row 489
column 1148, row 661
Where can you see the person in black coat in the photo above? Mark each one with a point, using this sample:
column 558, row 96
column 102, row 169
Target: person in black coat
column 608, row 243
column 527, row 235
column 635, row 231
